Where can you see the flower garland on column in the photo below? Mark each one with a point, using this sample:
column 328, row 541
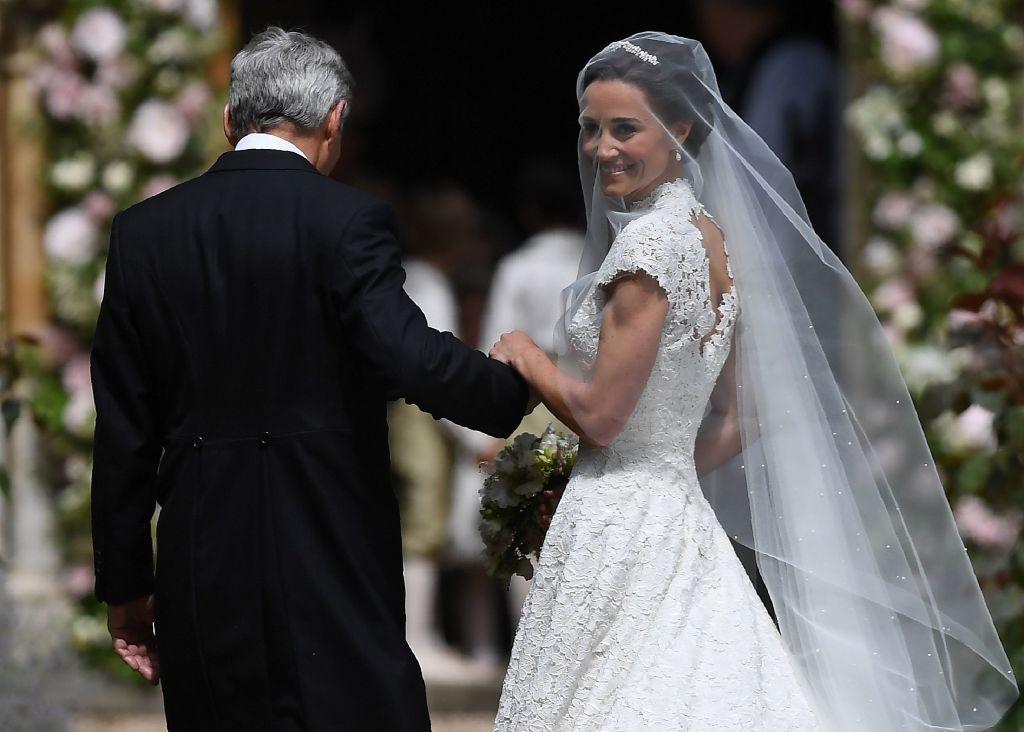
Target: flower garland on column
column 127, row 111
column 940, row 127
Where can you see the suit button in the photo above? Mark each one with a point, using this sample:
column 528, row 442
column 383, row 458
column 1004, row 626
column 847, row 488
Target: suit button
column 198, row 441
column 264, row 438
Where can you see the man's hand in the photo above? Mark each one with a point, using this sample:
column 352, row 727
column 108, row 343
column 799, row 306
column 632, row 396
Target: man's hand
column 131, row 628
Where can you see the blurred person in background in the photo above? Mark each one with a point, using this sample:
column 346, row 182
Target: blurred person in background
column 761, row 49
column 526, row 295
column 440, row 219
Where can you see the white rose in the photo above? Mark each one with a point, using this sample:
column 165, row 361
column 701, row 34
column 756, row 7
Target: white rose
column 945, row 124
column 70, row 236
column 73, row 174
column 99, row 33
column 907, row 316
column 893, row 209
column 907, row 42
column 974, row 173
column 880, row 257
column 158, row 131
column 969, row 431
column 202, row 13
column 117, row 176
column 933, row 225
column 910, row 144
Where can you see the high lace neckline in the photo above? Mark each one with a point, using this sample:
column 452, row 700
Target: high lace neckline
column 672, row 189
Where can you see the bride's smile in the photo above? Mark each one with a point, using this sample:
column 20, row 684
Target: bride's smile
column 633, row 151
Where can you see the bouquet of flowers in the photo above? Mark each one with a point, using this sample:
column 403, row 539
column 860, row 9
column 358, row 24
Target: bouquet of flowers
column 511, row 527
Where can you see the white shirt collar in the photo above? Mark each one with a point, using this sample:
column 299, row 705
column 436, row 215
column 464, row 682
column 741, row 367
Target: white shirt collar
column 266, row 141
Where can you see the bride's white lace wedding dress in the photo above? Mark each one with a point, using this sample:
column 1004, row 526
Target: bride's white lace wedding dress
column 640, row 615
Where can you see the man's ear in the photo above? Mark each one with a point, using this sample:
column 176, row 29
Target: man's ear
column 227, row 125
column 334, row 118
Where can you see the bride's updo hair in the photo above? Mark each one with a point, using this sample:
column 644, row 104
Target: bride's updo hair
column 675, row 95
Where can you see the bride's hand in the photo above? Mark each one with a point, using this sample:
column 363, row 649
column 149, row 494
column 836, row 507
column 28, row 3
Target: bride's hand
column 512, row 347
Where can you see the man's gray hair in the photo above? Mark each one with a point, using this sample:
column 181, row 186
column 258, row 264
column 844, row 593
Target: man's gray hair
column 286, row 76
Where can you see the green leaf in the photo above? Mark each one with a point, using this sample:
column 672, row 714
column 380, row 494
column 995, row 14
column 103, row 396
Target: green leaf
column 973, row 473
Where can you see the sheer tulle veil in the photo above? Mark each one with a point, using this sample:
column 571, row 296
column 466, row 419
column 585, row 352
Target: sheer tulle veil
column 835, row 488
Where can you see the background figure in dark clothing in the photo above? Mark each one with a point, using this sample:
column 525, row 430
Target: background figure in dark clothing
column 785, row 84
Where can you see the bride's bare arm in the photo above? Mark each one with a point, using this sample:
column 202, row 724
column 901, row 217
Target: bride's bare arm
column 598, row 409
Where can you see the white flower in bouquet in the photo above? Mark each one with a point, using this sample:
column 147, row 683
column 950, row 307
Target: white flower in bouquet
column 974, row 173
column 893, row 210
column 117, row 176
column 933, row 224
column 908, row 44
column 99, row 33
column 73, row 174
column 158, row 131
column 70, row 236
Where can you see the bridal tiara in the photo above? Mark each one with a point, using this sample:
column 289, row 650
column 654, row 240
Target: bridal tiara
column 636, row 51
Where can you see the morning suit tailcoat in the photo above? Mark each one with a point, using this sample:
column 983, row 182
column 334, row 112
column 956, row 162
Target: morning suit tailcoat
column 252, row 329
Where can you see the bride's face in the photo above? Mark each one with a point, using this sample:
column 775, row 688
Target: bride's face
column 630, row 148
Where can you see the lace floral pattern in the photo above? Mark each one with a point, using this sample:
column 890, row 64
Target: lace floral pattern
column 640, row 615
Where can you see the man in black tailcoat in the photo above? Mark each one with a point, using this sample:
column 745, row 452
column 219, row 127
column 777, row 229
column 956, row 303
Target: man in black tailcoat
column 252, row 329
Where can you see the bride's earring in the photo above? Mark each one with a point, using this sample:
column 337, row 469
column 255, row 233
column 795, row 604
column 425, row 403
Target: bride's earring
column 679, row 156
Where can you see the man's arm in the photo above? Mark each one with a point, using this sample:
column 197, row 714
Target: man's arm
column 126, row 448
column 433, row 370
column 126, row 451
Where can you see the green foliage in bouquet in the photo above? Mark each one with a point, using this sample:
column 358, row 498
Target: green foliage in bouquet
column 939, row 118
column 511, row 495
column 126, row 109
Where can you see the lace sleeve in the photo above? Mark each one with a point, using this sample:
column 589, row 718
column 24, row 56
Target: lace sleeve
column 671, row 250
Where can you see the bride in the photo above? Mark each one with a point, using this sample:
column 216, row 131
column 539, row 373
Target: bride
column 727, row 377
